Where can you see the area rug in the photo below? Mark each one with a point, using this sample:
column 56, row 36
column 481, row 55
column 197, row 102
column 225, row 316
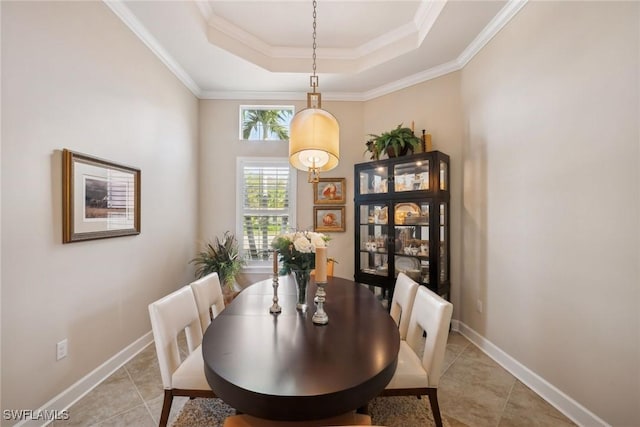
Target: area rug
column 401, row 411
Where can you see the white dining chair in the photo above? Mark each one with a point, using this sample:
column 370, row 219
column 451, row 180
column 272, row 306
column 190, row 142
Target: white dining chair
column 170, row 316
column 431, row 314
column 402, row 302
column 209, row 298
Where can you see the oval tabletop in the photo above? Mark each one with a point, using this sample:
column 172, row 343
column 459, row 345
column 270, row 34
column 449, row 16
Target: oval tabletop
column 284, row 367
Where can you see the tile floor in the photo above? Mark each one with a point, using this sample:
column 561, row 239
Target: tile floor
column 474, row 391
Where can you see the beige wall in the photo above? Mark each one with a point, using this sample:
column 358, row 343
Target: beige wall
column 73, row 76
column 220, row 147
column 551, row 199
column 436, row 107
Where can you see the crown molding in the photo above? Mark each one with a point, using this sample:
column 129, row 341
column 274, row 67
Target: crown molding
column 427, row 17
column 389, row 45
column 414, row 79
column 493, row 27
column 205, row 9
column 123, row 12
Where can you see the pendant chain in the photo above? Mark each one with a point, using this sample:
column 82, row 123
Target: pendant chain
column 314, row 80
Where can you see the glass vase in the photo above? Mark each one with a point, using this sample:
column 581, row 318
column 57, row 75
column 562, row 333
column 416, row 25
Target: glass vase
column 302, row 281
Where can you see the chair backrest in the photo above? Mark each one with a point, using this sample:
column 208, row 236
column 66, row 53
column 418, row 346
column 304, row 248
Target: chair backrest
column 171, row 315
column 209, row 299
column 402, row 302
column 431, row 314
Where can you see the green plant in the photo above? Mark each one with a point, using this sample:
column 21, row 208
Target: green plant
column 396, row 142
column 222, row 257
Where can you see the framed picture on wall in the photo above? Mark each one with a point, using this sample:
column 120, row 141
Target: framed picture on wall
column 100, row 198
column 329, row 218
column 329, row 191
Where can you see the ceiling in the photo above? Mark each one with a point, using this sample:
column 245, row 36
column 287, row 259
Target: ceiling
column 242, row 49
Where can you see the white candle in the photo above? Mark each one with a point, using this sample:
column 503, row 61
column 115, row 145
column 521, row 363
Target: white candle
column 275, row 262
column 321, row 265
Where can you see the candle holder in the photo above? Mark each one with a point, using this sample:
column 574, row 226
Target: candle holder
column 320, row 316
column 275, row 307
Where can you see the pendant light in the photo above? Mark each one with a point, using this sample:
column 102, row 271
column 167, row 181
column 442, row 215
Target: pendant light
column 314, row 141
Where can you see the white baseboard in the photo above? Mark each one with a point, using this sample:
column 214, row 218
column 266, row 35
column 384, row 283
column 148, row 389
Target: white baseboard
column 565, row 404
column 83, row 386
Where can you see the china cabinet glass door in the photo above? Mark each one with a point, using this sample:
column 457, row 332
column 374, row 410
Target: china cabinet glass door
column 374, row 226
column 443, row 233
column 411, row 176
column 411, row 239
column 374, row 180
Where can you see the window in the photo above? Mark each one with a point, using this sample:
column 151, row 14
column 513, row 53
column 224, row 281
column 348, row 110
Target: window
column 266, row 205
column 265, row 122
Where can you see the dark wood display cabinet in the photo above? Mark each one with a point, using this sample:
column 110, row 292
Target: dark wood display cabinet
column 402, row 221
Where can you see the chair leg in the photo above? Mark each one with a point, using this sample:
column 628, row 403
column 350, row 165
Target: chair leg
column 166, row 408
column 435, row 409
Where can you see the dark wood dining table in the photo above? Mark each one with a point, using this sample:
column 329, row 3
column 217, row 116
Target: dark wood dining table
column 285, row 367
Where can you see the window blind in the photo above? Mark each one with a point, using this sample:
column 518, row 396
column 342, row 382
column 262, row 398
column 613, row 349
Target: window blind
column 266, row 206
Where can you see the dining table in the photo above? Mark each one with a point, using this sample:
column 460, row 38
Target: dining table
column 285, row 367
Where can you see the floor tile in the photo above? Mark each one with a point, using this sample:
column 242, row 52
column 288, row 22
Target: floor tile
column 155, row 407
column 473, row 390
column 138, row 417
column 455, row 345
column 145, row 373
column 116, row 395
column 526, row 409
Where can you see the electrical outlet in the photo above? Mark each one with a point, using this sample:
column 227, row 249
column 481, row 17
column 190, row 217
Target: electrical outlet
column 61, row 349
column 479, row 305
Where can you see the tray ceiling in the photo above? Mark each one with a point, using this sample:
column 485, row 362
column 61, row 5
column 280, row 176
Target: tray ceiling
column 237, row 49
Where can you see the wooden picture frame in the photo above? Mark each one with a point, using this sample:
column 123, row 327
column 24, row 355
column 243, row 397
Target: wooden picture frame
column 329, row 218
column 100, row 198
column 330, row 191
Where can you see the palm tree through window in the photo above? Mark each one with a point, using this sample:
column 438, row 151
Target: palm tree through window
column 266, row 122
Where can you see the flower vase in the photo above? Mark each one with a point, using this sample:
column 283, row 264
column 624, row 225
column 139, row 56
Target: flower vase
column 302, row 281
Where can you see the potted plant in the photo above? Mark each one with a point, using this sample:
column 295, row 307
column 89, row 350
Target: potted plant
column 222, row 257
column 396, row 142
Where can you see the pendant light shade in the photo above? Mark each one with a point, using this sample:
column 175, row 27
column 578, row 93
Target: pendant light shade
column 314, row 142
column 314, row 138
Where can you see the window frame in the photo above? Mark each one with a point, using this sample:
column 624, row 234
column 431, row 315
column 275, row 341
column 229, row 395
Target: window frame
column 263, row 107
column 261, row 266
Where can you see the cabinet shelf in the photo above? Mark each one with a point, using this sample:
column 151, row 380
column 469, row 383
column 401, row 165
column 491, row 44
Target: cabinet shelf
column 402, row 205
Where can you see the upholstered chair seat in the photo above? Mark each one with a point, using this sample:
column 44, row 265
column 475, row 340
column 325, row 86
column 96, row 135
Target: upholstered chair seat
column 409, row 372
column 189, row 374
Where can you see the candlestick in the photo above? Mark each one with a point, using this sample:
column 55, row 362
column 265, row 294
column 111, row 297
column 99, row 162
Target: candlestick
column 320, row 317
column 275, row 307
